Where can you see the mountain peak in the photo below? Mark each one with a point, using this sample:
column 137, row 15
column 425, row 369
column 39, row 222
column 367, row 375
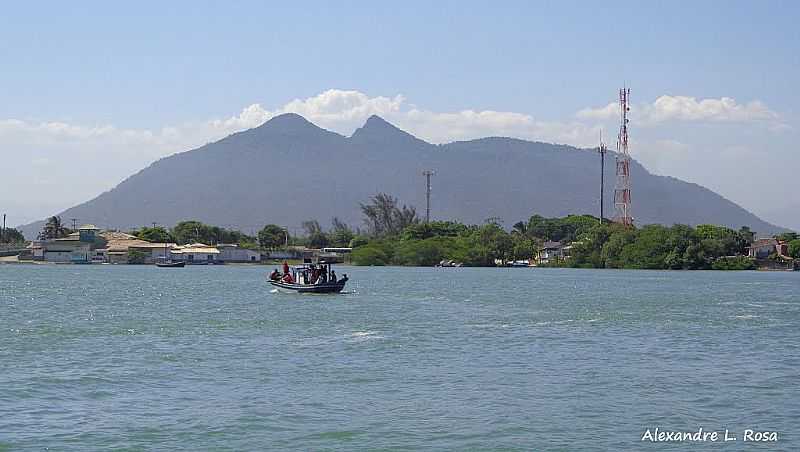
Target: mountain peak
column 288, row 122
column 377, row 121
column 378, row 130
column 292, row 125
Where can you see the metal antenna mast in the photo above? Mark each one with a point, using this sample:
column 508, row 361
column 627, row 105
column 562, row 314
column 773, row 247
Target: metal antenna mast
column 428, row 174
column 602, row 150
column 622, row 190
column 74, row 223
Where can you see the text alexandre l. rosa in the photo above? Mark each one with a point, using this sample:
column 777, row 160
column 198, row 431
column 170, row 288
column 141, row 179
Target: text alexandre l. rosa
column 657, row 435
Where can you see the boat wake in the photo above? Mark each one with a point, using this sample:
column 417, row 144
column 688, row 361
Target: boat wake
column 365, row 335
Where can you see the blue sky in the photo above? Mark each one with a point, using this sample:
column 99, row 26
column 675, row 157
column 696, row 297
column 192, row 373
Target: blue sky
column 141, row 67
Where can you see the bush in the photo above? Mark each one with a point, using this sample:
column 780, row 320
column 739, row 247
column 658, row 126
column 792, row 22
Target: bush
column 370, row 255
column 424, row 253
column 136, row 257
column 358, row 241
column 734, row 263
column 794, row 248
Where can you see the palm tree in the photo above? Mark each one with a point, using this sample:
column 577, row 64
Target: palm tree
column 385, row 217
column 53, row 229
column 520, row 228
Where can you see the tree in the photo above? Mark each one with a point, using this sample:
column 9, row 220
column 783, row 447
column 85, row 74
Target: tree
column 612, row 249
column 340, row 234
column 11, row 235
column 384, row 217
column 421, row 231
column 154, row 234
column 746, row 237
column 520, row 228
column 587, row 251
column 794, row 248
column 787, row 236
column 524, row 248
column 358, row 241
column 559, row 229
column 316, row 236
column 486, row 244
column 272, row 236
column 192, row 232
column 53, row 229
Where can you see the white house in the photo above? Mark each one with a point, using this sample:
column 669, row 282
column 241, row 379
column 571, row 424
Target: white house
column 233, row 253
column 196, row 253
column 75, row 248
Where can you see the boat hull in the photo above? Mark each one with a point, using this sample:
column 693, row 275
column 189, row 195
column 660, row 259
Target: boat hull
column 171, row 265
column 334, row 287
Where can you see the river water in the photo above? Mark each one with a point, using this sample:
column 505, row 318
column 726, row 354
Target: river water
column 208, row 358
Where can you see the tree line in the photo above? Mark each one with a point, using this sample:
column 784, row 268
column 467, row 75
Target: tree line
column 593, row 245
column 394, row 235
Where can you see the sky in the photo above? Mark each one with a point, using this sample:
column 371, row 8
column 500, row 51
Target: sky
column 92, row 92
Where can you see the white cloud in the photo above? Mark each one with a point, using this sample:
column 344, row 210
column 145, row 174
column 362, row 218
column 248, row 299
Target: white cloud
column 337, row 106
column 685, row 108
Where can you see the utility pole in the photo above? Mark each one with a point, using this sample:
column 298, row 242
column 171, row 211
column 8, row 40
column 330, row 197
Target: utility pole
column 3, row 232
column 602, row 149
column 428, row 174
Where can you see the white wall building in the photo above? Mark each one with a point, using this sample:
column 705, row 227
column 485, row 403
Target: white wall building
column 196, row 253
column 233, row 253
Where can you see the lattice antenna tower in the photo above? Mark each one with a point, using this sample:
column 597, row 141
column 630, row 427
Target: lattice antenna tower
column 622, row 189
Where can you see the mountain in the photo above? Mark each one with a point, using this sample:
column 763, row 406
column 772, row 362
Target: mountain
column 289, row 170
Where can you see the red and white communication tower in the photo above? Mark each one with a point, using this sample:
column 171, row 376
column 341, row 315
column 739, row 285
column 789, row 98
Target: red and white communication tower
column 622, row 189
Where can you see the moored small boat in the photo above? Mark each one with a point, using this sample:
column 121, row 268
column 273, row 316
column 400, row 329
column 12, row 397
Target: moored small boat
column 167, row 262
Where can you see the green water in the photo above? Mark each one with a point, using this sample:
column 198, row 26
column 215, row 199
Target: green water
column 208, row 358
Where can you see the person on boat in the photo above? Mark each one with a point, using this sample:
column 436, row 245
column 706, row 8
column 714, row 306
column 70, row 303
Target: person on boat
column 287, row 278
column 274, row 276
column 323, row 275
column 285, row 268
column 333, row 275
column 344, row 278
